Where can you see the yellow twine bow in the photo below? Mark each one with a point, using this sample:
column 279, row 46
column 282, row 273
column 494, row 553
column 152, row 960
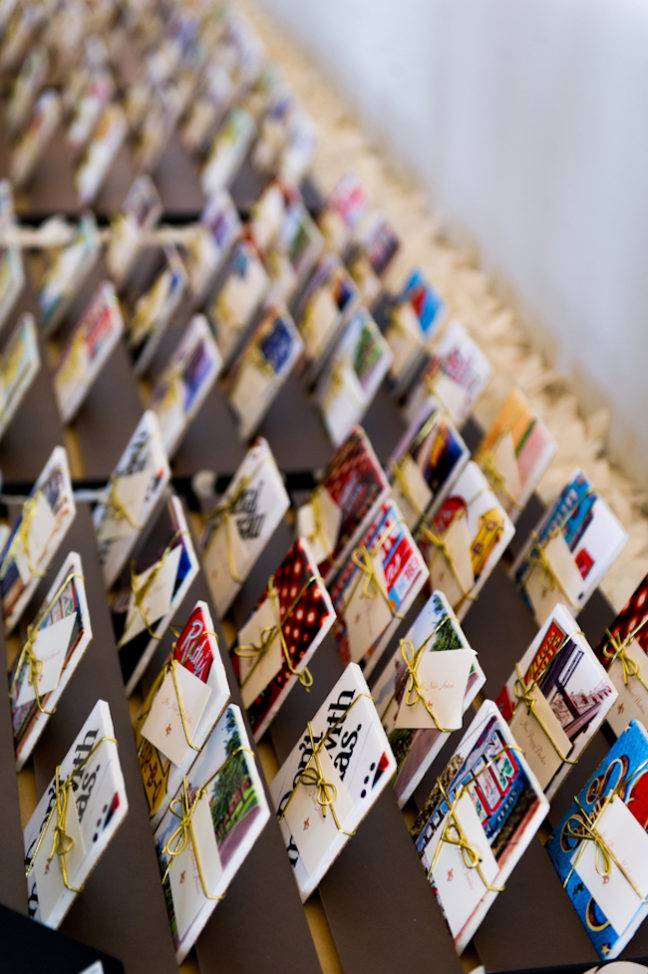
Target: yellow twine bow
column 139, row 592
column 362, row 558
column 537, row 558
column 524, row 697
column 496, row 478
column 441, row 546
column 630, row 667
column 414, row 692
column 224, row 513
column 72, row 365
column 21, row 537
column 115, row 508
column 454, row 834
column 403, row 486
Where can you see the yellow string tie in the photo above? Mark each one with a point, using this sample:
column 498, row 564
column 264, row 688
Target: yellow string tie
column 403, row 486
column 363, row 559
column 21, row 538
column 630, row 667
column 524, row 697
column 140, row 592
column 442, row 547
column 225, row 514
column 414, row 693
column 496, row 478
column 537, row 558
column 454, row 834
column 115, row 508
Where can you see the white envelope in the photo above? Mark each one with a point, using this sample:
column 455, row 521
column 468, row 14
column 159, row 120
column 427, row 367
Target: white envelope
column 157, row 599
column 163, row 726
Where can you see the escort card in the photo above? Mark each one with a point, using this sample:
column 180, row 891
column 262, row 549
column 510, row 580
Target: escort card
column 18, row 367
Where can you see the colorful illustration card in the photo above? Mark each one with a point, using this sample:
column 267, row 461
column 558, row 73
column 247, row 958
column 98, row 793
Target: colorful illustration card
column 424, row 691
column 86, row 802
column 342, row 212
column 208, row 247
column 343, row 753
column 87, row 349
column 18, row 367
column 352, row 376
column 224, row 795
column 184, row 385
column 12, row 272
column 339, row 508
column 487, row 797
column 376, row 588
column 295, row 250
column 262, row 368
column 426, row 462
column 371, row 256
column 276, row 643
column 100, row 153
column 414, row 319
column 135, row 486
column 25, row 89
column 463, row 541
column 154, row 309
column 228, row 151
column 35, row 536
column 242, row 523
column 32, row 142
column 622, row 652
column 244, row 289
column 330, row 297
column 457, row 374
column 56, row 638
column 185, row 701
column 151, row 589
column 68, row 269
column 556, row 699
column 515, row 453
column 600, row 848
column 570, row 551
column 141, row 211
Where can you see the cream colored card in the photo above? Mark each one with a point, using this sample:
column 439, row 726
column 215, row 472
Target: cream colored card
column 313, row 831
column 130, row 493
column 343, row 403
column 50, row 646
column 252, row 389
column 41, row 529
column 367, row 617
column 535, row 742
column 227, row 550
column 626, row 839
column 506, row 465
column 404, row 337
column 451, row 395
column 156, row 600
column 443, row 678
column 184, row 875
column 459, row 887
column 415, row 501
column 49, row 874
column 632, row 702
column 257, row 672
column 320, row 318
column 454, row 574
column 163, row 726
column 319, row 522
column 544, row 591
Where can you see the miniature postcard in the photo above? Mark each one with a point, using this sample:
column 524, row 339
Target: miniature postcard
column 414, row 319
column 151, row 589
column 25, row 89
column 457, row 375
column 272, row 131
column 12, row 271
column 242, row 524
column 274, row 647
column 87, row 349
column 208, row 247
column 343, row 754
column 464, row 540
column 228, row 151
column 35, row 537
column 353, row 376
column 207, row 109
column 328, row 300
column 515, row 453
column 224, row 798
column 66, row 272
column 185, row 383
column 241, row 295
column 376, row 588
column 31, row 144
column 622, row 652
column 488, row 798
column 371, row 256
column 600, row 849
column 262, row 368
column 269, row 212
column 425, row 690
column 426, row 462
column 340, row 507
column 19, row 365
column 141, row 211
column 89, row 108
column 570, row 551
column 185, row 701
column 100, row 153
column 342, row 212
column 56, row 640
column 295, row 250
column 154, row 309
column 85, row 802
column 136, row 484
column 163, row 109
column 556, row 699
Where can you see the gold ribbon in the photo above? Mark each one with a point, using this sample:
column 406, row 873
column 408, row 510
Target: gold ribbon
column 524, row 697
column 454, row 834
column 72, row 366
column 496, row 478
column 630, row 667
column 21, row 537
column 140, row 593
column 115, row 508
column 404, row 487
column 442, row 547
column 362, row 558
column 63, row 843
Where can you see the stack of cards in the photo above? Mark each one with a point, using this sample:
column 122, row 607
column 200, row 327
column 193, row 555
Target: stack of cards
column 294, row 251
column 241, row 295
column 371, row 256
column 424, row 691
column 376, row 588
column 209, row 829
column 242, row 524
column 141, row 211
column 328, row 300
column 100, row 153
column 228, row 151
column 342, row 212
column 570, row 551
column 211, row 242
column 556, row 699
column 479, row 818
column 280, row 637
column 66, row 272
column 32, row 142
column 185, row 701
column 12, row 273
column 465, row 539
column 600, row 847
column 56, row 640
column 154, row 309
column 331, row 778
column 36, row 536
column 75, row 820
column 18, row 367
column 415, row 317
